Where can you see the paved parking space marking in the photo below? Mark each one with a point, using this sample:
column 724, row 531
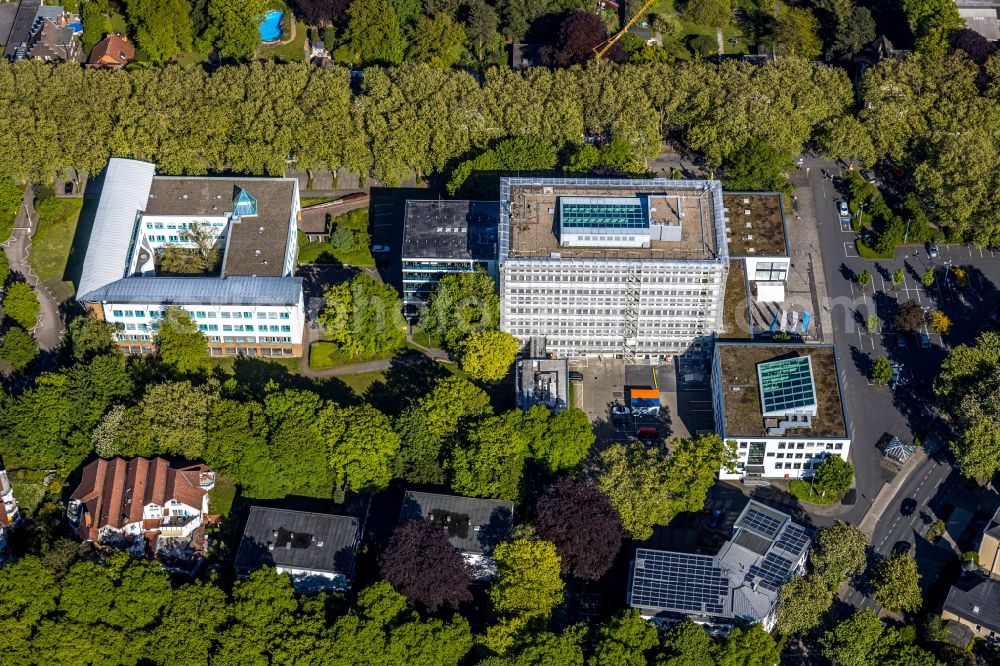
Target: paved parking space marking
column 850, row 251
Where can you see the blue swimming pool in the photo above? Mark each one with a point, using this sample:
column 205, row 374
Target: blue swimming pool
column 270, row 26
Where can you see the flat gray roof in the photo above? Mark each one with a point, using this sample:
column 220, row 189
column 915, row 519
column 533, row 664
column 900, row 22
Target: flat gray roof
column 451, row 230
column 299, row 540
column 236, row 290
column 474, row 524
column 256, row 245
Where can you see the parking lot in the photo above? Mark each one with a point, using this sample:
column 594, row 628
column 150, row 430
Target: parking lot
column 685, row 398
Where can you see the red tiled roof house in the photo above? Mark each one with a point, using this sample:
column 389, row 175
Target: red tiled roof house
column 118, row 500
column 112, row 52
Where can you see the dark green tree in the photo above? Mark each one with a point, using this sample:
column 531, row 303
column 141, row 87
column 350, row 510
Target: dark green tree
column 374, row 34
column 18, row 348
column 89, row 336
column 833, row 475
column 163, row 28
column 626, row 639
column 233, row 26
column 758, row 167
column 558, row 443
column 180, row 344
column 490, row 459
column 363, row 317
column 461, row 304
column 21, row 305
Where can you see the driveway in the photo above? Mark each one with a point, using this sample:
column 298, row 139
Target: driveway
column 48, row 332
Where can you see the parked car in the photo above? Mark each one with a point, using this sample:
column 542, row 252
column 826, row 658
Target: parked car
column 380, row 249
column 575, row 376
column 925, row 341
column 646, row 433
column 902, row 547
column 908, row 506
column 842, row 209
column 869, row 176
column 932, row 250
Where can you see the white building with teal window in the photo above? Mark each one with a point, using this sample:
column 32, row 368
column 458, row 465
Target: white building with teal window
column 251, row 304
column 782, row 404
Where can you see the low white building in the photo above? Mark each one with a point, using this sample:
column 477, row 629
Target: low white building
column 738, row 585
column 249, row 304
column 783, row 406
column 120, row 502
column 9, row 512
column 317, row 550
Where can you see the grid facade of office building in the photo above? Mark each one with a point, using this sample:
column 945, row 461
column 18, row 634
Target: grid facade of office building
column 640, row 304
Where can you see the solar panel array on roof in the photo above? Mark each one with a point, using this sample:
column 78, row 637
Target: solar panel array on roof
column 786, row 386
column 761, row 522
column 602, row 213
column 794, row 539
column 678, row 582
column 771, row 573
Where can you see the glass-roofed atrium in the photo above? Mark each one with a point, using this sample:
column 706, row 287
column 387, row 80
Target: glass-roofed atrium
column 603, row 213
column 787, row 387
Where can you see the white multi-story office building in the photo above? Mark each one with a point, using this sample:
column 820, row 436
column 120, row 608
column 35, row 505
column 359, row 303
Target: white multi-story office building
column 781, row 404
column 615, row 268
column 249, row 304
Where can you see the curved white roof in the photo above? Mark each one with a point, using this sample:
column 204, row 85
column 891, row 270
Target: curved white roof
column 125, row 192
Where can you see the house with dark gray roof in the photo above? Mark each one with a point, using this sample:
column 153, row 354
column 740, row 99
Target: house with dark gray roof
column 738, row 585
column 474, row 525
column 974, row 603
column 223, row 249
column 317, row 550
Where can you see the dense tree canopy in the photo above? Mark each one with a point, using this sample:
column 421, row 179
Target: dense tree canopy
column 423, row 566
column 897, row 583
column 180, row 344
column 802, row 604
column 585, row 528
column 163, row 28
column 233, row 25
column 490, row 460
column 18, row 348
column 968, row 388
column 649, row 488
column 363, row 317
column 838, row 553
column 461, row 304
column 489, row 354
column 21, row 305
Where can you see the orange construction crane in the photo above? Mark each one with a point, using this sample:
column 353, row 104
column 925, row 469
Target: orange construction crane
column 606, row 45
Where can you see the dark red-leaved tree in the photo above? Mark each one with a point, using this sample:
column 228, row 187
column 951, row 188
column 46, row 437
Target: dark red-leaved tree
column 576, row 38
column 322, row 12
column 580, row 521
column 426, row 569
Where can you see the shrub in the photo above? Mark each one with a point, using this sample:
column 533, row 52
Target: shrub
column 21, row 305
column 342, row 239
column 18, row 349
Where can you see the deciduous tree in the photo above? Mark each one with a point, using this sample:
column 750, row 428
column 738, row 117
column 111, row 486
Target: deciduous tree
column 423, row 566
column 361, row 445
column 461, row 304
column 897, row 583
column 833, row 475
column 802, row 603
column 490, row 459
column 528, row 582
column 438, row 41
column 940, row 322
column 163, row 28
column 634, row 479
column 797, row 30
column 687, row 644
column 88, row 337
column 488, row 355
column 180, row 344
column 21, row 305
column 881, row 370
column 374, row 34
column 838, row 553
column 749, row 647
column 625, row 639
column 560, row 442
column 18, row 348
column 910, row 317
column 575, row 40
column 363, row 316
column 585, row 528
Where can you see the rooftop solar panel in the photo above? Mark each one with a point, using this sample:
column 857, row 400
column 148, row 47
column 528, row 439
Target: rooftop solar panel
column 678, row 582
column 761, row 522
column 794, row 539
column 771, row 573
column 786, row 386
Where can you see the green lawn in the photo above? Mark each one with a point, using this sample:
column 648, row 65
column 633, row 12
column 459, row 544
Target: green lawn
column 220, row 498
column 360, row 382
column 324, row 355
column 28, row 487
column 801, row 490
column 51, row 244
column 305, row 202
column 689, row 29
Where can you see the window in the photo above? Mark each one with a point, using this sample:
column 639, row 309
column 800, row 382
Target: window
column 116, row 313
column 129, row 313
column 261, row 315
column 781, row 445
column 779, row 465
column 140, row 313
column 225, row 315
column 248, row 315
column 200, row 314
column 800, row 445
column 227, row 328
column 798, row 465
column 284, row 315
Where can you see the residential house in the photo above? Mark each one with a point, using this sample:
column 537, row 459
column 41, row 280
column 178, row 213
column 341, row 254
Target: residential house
column 474, row 525
column 139, row 501
column 989, row 547
column 316, row 549
column 738, row 585
column 54, row 41
column 973, row 603
column 113, row 52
